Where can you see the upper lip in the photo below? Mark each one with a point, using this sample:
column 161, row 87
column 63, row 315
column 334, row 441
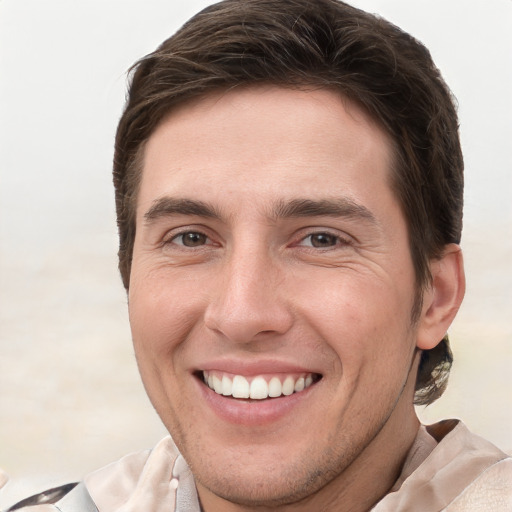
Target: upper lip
column 252, row 368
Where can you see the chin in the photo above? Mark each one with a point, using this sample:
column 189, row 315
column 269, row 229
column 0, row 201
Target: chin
column 267, row 477
column 267, row 489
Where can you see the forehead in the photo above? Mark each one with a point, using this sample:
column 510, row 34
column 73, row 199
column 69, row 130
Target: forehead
column 279, row 143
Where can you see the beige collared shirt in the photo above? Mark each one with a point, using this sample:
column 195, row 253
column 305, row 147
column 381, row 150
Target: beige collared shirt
column 447, row 469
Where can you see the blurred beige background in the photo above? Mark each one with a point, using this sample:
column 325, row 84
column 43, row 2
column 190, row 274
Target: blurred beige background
column 70, row 396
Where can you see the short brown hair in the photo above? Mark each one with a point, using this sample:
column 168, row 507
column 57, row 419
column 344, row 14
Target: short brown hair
column 313, row 43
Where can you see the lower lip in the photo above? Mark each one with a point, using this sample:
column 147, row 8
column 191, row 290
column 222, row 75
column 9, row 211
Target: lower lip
column 254, row 412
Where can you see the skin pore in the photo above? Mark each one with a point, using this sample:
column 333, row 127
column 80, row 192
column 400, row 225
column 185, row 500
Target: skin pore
column 270, row 245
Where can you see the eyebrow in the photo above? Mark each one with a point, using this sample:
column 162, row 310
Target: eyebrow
column 339, row 207
column 295, row 208
column 167, row 206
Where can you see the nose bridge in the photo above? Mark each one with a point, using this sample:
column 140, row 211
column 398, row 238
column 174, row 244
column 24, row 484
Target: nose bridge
column 249, row 299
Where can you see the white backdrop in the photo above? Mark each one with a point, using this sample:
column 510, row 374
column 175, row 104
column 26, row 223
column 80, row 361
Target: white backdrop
column 70, row 396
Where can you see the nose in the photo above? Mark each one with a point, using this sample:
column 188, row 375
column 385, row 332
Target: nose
column 249, row 302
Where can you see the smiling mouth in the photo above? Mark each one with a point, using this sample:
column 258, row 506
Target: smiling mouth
column 258, row 387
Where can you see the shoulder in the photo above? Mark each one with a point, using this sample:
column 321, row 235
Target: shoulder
column 157, row 479
column 104, row 489
column 490, row 491
column 473, row 473
column 464, row 472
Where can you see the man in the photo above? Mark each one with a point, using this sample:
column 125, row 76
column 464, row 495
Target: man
column 289, row 184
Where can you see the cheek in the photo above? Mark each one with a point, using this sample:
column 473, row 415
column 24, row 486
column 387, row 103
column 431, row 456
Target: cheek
column 351, row 304
column 162, row 317
column 162, row 311
column 365, row 322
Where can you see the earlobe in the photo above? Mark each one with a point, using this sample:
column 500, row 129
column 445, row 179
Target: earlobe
column 442, row 299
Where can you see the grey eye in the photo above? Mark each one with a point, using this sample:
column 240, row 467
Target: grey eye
column 191, row 239
column 323, row 240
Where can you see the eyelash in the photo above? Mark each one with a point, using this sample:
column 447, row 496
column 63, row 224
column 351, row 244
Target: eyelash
column 335, row 238
column 182, row 234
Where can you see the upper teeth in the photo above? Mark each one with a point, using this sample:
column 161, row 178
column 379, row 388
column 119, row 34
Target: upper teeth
column 258, row 387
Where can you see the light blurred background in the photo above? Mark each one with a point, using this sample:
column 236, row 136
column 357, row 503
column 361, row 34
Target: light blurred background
column 70, row 396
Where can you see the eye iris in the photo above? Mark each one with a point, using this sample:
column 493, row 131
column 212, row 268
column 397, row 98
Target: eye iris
column 193, row 239
column 323, row 240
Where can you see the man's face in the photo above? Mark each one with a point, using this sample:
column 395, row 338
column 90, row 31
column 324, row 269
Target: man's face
column 271, row 257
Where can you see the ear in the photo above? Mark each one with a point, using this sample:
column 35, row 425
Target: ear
column 442, row 299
